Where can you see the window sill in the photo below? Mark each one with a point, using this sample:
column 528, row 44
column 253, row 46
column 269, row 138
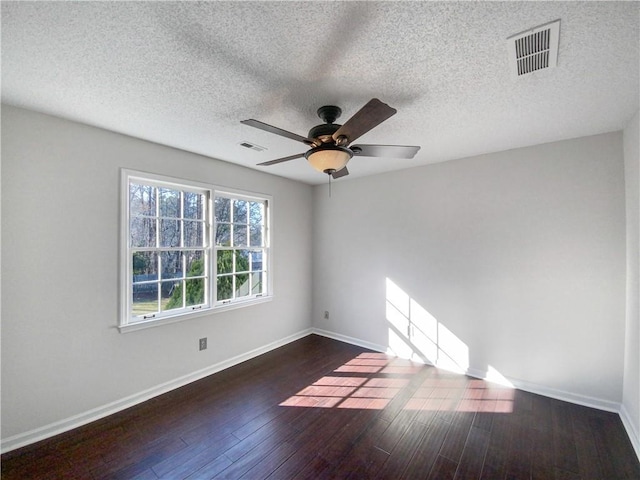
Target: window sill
column 132, row 327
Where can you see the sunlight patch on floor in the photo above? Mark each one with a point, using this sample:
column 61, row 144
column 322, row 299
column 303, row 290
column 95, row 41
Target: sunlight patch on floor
column 371, row 381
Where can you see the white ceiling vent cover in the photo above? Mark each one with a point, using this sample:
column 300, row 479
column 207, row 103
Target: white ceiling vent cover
column 535, row 49
column 252, row 146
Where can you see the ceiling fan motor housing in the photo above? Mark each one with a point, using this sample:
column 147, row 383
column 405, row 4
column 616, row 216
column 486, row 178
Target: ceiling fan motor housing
column 324, row 131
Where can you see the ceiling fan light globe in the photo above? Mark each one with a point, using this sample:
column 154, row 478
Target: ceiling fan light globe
column 328, row 158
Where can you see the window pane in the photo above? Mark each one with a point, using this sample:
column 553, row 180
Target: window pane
column 193, row 205
column 170, row 233
column 171, row 295
column 223, row 209
column 169, row 250
column 195, row 292
column 142, row 200
column 225, row 287
column 256, row 213
column 171, row 265
column 193, row 233
column 256, row 261
column 256, row 283
column 143, row 232
column 256, row 236
column 240, row 211
column 242, row 261
column 242, row 285
column 195, row 263
column 169, row 202
column 145, row 266
column 223, row 235
column 225, row 261
column 239, row 235
column 145, row 299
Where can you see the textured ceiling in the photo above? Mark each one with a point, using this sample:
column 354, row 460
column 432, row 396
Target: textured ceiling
column 184, row 74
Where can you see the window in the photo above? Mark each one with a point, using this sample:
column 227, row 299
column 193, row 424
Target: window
column 241, row 248
column 189, row 248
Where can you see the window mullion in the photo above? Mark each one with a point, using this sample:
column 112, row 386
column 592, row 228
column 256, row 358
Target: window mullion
column 183, row 280
column 233, row 273
column 181, row 218
column 157, row 218
column 159, row 281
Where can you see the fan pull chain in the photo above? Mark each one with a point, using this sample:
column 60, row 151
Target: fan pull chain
column 329, row 185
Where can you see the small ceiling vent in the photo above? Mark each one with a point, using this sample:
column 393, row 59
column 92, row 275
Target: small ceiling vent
column 533, row 50
column 252, row 146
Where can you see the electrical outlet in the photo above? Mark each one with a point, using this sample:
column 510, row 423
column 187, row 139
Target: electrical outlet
column 326, row 315
column 203, row 343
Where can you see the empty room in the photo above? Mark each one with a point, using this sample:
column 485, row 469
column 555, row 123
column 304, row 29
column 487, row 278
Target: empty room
column 317, row 239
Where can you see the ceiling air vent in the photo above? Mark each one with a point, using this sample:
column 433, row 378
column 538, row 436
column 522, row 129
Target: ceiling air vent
column 252, row 146
column 533, row 50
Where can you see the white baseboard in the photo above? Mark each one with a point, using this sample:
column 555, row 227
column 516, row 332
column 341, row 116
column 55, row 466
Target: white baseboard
column 347, row 339
column 632, row 430
column 545, row 391
column 84, row 418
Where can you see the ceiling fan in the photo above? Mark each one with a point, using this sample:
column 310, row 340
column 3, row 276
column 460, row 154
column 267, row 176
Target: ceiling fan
column 330, row 142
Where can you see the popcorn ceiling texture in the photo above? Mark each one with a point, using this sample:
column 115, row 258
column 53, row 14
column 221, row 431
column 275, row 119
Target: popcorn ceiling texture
column 185, row 73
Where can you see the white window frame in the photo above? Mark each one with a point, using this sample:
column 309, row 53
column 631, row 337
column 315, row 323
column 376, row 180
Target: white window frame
column 263, row 248
column 129, row 322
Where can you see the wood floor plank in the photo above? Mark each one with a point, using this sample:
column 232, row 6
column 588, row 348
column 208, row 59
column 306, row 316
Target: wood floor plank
column 249, row 460
column 518, row 463
column 426, row 453
column 457, row 436
column 258, row 422
column 566, row 457
column 146, row 475
column 497, row 456
column 310, row 441
column 542, row 466
column 193, row 458
column 363, row 455
column 211, row 469
column 443, row 469
column 405, row 447
column 587, row 452
column 333, row 452
column 317, row 468
column 322, row 409
column 269, row 463
column 273, row 433
column 129, row 465
column 472, row 460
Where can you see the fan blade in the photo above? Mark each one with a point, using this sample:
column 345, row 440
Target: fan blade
column 278, row 131
column 340, row 173
column 371, row 115
column 283, row 159
column 391, row 151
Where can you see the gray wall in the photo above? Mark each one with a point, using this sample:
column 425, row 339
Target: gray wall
column 61, row 353
column 511, row 263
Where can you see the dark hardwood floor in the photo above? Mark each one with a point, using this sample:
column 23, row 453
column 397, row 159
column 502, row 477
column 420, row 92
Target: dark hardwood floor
column 322, row 409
